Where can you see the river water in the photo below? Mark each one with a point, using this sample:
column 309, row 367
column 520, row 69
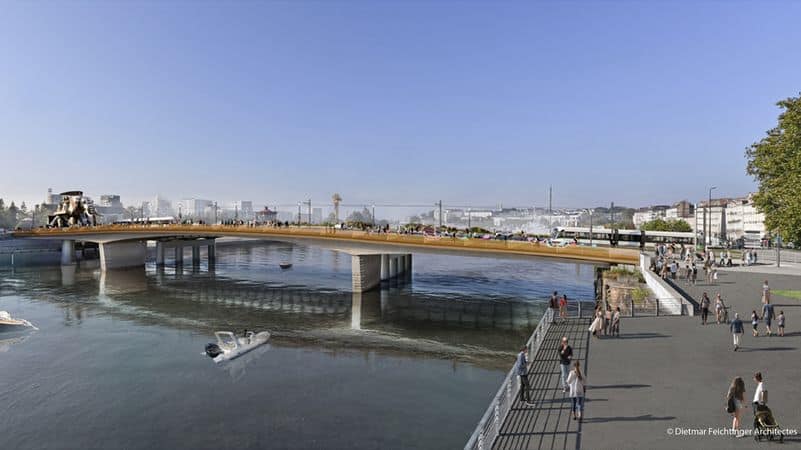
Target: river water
column 117, row 363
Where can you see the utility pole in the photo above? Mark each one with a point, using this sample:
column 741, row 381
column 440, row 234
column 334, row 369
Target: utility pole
column 299, row 203
column 708, row 237
column 550, row 209
column 612, row 214
column 440, row 213
column 373, row 215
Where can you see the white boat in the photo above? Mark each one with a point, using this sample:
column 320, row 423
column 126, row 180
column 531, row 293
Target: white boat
column 8, row 323
column 229, row 346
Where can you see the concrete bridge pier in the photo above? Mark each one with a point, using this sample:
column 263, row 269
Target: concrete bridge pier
column 159, row 253
column 384, row 267
column 366, row 272
column 118, row 255
column 393, row 266
column 212, row 252
column 67, row 252
column 195, row 255
column 179, row 255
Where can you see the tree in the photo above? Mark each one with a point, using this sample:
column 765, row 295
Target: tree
column 775, row 163
column 675, row 225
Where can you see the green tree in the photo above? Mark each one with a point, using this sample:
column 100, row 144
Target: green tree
column 675, row 225
column 775, row 163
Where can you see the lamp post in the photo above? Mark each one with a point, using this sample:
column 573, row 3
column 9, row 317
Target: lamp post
column 708, row 236
column 373, row 215
column 469, row 214
column 590, row 211
column 180, row 206
column 299, row 203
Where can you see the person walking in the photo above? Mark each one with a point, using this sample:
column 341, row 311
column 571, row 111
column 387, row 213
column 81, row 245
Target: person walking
column 608, row 322
column 616, row 322
column 760, row 393
column 754, row 323
column 705, row 302
column 719, row 308
column 577, row 383
column 565, row 358
column 597, row 323
column 767, row 316
column 765, row 292
column 735, row 402
column 522, row 372
column 554, row 305
column 563, row 308
column 736, row 328
column 781, row 323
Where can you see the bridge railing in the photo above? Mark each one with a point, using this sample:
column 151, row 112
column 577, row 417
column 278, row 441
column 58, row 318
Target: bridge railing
column 605, row 254
column 489, row 427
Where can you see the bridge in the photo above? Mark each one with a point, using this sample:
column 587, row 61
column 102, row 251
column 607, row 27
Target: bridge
column 376, row 256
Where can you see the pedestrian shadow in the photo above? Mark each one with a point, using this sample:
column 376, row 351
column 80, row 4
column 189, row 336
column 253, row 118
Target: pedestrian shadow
column 640, row 336
column 793, row 333
column 789, row 305
column 643, row 418
column 620, row 386
column 768, row 349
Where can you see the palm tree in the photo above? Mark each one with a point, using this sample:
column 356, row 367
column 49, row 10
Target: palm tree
column 336, row 199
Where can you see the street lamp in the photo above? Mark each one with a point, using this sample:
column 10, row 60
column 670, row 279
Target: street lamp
column 299, row 203
column 180, row 206
column 590, row 211
column 373, row 215
column 708, row 236
column 469, row 214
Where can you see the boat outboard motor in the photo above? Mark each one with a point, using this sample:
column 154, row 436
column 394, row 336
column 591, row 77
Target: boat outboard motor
column 213, row 350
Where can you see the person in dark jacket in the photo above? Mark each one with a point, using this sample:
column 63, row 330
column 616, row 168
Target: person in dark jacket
column 522, row 372
column 736, row 328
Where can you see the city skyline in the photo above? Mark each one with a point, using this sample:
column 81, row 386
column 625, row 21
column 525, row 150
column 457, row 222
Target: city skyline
column 392, row 103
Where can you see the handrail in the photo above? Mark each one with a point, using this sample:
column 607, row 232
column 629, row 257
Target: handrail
column 489, row 427
column 598, row 254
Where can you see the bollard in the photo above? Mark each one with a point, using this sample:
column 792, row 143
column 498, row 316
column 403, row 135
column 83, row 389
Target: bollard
column 631, row 310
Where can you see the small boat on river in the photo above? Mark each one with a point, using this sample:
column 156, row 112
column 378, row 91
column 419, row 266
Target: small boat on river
column 229, row 346
column 285, row 265
column 8, row 323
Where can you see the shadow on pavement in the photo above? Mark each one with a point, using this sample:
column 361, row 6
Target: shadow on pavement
column 643, row 418
column 619, row 386
column 768, row 349
column 641, row 336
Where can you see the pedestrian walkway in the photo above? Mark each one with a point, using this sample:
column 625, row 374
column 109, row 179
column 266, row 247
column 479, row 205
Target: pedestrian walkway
column 547, row 424
column 672, row 372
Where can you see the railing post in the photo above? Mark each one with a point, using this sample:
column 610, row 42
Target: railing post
column 497, row 419
column 481, row 440
column 657, row 307
column 631, row 310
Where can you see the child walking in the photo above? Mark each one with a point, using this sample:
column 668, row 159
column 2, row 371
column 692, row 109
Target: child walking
column 754, row 322
column 781, row 323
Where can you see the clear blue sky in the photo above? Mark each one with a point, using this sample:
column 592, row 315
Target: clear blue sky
column 637, row 102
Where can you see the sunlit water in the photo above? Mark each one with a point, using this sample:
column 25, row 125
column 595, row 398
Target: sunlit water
column 117, row 361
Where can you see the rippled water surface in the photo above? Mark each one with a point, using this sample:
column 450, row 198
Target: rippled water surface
column 117, row 361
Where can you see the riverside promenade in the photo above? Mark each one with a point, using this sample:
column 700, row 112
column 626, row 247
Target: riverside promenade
column 665, row 373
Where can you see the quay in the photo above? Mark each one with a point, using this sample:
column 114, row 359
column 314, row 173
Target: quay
column 662, row 383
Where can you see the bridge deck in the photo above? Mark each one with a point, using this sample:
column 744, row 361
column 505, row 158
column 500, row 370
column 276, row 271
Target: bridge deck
column 547, row 424
column 321, row 234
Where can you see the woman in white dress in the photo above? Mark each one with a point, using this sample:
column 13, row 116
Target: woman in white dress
column 597, row 324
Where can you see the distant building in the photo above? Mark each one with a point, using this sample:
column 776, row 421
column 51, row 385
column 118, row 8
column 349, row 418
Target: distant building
column 743, row 221
column 161, row 207
column 52, row 199
column 197, row 208
column 317, row 215
column 714, row 215
column 266, row 215
column 110, row 208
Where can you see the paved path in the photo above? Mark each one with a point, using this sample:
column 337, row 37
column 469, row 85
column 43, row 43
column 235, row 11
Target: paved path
column 547, row 424
column 668, row 372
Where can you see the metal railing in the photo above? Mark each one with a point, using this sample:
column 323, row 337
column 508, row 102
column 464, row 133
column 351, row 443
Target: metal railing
column 489, row 427
column 599, row 254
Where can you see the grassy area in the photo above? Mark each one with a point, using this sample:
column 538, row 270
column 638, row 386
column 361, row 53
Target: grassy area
column 788, row 294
